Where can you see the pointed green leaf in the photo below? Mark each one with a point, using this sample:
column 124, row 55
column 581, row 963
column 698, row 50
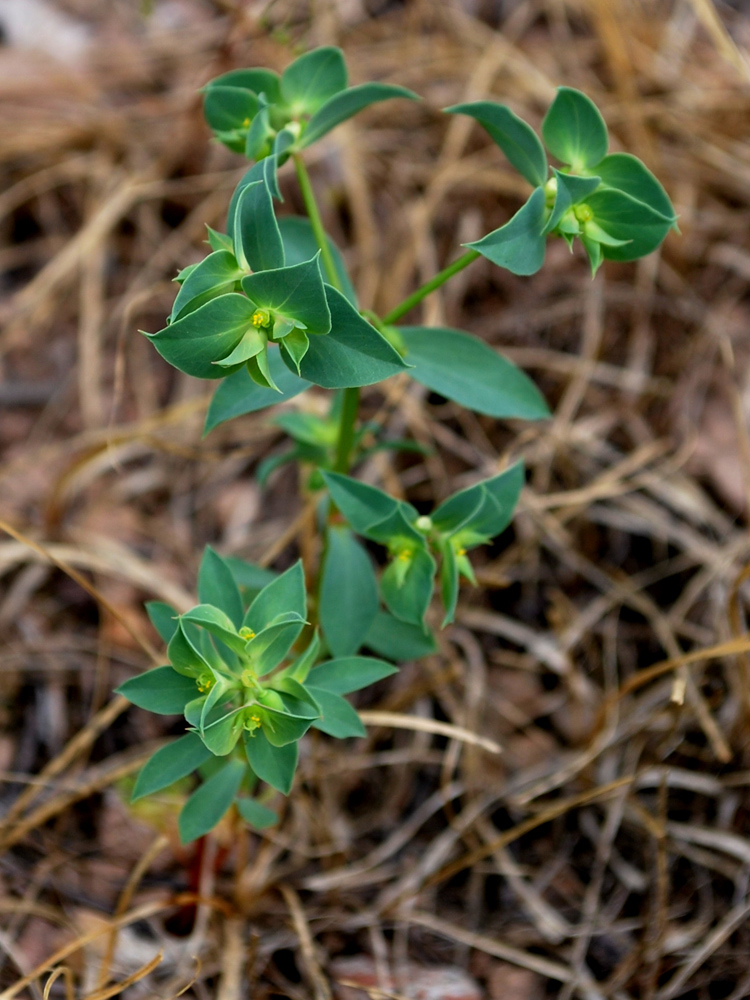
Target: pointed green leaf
column 217, row 622
column 347, row 103
column 256, row 814
column 304, row 663
column 207, row 804
column 248, row 576
column 300, row 245
column 215, row 275
column 238, row 394
column 468, row 371
column 162, row 691
column 593, row 251
column 219, row 241
column 271, row 645
column 352, row 354
column 519, row 245
column 361, row 505
column 163, row 618
column 294, row 292
column 194, row 342
column 259, row 81
column 216, row 585
column 628, row 174
column 284, row 594
column 295, row 345
column 399, row 641
column 221, row 736
column 260, row 135
column 339, row 718
column 183, row 656
column 349, row 673
column 624, row 218
column 407, row 595
column 257, row 240
column 486, row 508
column 252, row 344
column 448, row 582
column 228, row 108
column 274, row 765
column 570, row 191
column 312, row 79
column 348, row 592
column 279, row 728
column 174, row 761
column 574, row 130
column 518, row 141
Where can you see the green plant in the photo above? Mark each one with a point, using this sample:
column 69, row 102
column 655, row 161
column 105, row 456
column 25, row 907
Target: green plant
column 271, row 311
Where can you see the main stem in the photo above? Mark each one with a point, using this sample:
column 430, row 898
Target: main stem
column 421, row 293
column 350, row 401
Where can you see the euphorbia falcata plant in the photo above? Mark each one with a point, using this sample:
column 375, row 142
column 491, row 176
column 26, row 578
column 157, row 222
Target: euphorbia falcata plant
column 271, row 311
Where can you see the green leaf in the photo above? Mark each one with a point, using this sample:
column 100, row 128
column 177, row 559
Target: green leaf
column 281, row 728
column 628, row 174
column 162, row 691
column 295, row 696
column 193, row 343
column 221, row 735
column 218, row 241
column 163, row 618
column 349, row 673
column 294, row 292
column 518, row 141
column 312, row 79
column 259, row 81
column 300, row 244
column 252, row 344
column 271, row 645
column 344, row 105
column 399, row 641
column 174, row 761
column 183, row 656
column 348, row 592
column 574, row 130
column 486, row 508
column 519, row 245
column 593, row 250
column 215, row 275
column 257, row 240
column 207, row 804
column 468, row 371
column 217, row 586
column 407, row 595
column 228, row 108
column 217, row 622
column 238, row 394
column 352, row 354
column 286, row 593
column 448, row 582
column 274, row 765
column 339, row 720
column 260, row 135
column 257, row 815
column 624, row 218
column 570, row 191
column 363, row 506
column 295, row 344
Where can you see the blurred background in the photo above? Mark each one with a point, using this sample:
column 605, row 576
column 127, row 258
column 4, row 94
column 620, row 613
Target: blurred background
column 605, row 853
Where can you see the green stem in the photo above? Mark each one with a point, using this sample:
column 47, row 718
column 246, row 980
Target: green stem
column 347, row 424
column 311, row 205
column 421, row 293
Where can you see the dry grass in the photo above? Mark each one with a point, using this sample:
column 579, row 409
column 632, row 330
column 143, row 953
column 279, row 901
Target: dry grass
column 605, row 851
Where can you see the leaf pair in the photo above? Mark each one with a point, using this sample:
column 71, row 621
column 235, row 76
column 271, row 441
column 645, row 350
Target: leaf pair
column 612, row 203
column 467, row 519
column 249, row 109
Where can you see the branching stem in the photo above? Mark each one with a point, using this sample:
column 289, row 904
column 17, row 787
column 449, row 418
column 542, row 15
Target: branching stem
column 429, row 286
